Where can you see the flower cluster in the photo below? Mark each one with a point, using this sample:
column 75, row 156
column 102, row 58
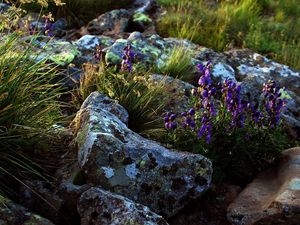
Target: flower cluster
column 48, row 27
column 128, row 56
column 272, row 101
column 233, row 103
column 98, row 53
column 170, row 122
column 233, row 112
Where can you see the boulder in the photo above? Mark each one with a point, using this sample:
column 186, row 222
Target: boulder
column 12, row 213
column 273, row 197
column 97, row 206
column 177, row 92
column 119, row 160
column 113, row 22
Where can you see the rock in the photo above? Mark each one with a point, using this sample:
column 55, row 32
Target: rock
column 88, row 43
column 58, row 51
column 112, row 22
column 144, row 6
column 34, row 194
column 97, row 206
column 119, row 160
column 273, row 197
column 145, row 53
column 12, row 213
column 4, row 7
column 177, row 92
column 59, row 27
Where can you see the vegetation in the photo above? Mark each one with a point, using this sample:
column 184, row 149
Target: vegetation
column 178, row 64
column 28, row 105
column 270, row 27
column 142, row 102
column 219, row 123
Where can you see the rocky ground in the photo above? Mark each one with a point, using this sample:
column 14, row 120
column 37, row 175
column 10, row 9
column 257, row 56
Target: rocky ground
column 112, row 175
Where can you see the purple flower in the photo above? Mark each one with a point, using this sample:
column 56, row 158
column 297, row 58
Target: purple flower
column 128, row 56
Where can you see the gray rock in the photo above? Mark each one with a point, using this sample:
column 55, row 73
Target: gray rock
column 4, row 7
column 273, row 198
column 97, row 206
column 112, row 22
column 119, row 160
column 13, row 214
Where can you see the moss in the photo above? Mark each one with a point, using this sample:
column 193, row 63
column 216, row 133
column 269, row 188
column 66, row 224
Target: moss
column 113, row 58
column 142, row 18
column 83, row 135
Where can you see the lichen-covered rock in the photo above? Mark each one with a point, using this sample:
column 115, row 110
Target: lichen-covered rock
column 273, row 197
column 145, row 52
column 177, row 92
column 88, row 43
column 58, row 51
column 97, row 206
column 122, row 161
column 14, row 214
column 112, row 22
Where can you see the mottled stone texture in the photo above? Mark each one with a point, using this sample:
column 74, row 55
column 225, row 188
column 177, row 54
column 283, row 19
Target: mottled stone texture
column 273, row 197
column 122, row 161
column 14, row 214
column 97, row 206
column 112, row 22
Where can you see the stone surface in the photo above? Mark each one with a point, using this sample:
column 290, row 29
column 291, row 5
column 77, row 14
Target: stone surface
column 112, row 22
column 60, row 52
column 273, row 197
column 97, row 206
column 177, row 92
column 14, row 214
column 119, row 160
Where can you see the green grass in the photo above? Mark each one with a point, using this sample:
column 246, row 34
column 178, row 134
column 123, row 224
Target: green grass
column 270, row 27
column 178, row 64
column 142, row 102
column 28, row 106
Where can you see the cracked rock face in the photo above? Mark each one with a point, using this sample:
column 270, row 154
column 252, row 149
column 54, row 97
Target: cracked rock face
column 122, row 161
column 273, row 197
column 97, row 206
column 115, row 21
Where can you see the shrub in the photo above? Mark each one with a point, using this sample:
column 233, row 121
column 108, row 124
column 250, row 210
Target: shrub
column 28, row 105
column 242, row 138
column 142, row 102
column 178, row 64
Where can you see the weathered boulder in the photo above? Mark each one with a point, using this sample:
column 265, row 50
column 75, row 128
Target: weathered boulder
column 273, row 197
column 60, row 52
column 119, row 160
column 112, row 22
column 177, row 92
column 97, row 206
column 12, row 213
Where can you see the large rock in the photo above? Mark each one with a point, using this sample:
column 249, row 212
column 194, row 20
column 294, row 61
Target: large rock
column 97, row 206
column 273, row 197
column 14, row 214
column 112, row 22
column 122, row 161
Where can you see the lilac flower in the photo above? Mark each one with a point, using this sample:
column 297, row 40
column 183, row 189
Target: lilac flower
column 98, row 53
column 48, row 27
column 272, row 102
column 128, row 57
column 170, row 122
